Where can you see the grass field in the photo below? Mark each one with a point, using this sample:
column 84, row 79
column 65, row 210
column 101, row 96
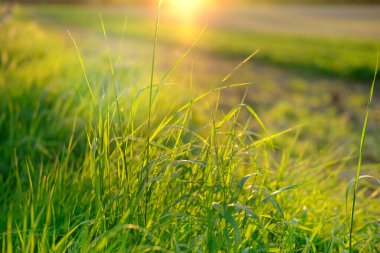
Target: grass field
column 98, row 153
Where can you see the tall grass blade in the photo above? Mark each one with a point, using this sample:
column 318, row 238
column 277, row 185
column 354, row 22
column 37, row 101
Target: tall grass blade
column 362, row 140
column 240, row 64
column 148, row 138
column 83, row 68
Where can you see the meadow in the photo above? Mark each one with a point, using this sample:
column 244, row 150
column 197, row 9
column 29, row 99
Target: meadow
column 116, row 136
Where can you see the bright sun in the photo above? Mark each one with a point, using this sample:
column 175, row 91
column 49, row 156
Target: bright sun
column 188, row 10
column 185, row 4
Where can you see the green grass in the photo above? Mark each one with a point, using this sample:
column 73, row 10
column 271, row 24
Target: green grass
column 95, row 167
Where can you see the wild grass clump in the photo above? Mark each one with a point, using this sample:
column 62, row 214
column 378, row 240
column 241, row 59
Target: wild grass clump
column 128, row 175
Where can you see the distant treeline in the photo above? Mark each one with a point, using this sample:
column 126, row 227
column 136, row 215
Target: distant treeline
column 219, row 1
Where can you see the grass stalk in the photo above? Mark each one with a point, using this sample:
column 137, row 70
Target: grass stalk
column 148, row 138
column 361, row 149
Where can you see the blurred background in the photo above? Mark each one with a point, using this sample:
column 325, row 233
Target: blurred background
column 314, row 65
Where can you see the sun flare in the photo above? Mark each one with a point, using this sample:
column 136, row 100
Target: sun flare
column 185, row 4
column 188, row 9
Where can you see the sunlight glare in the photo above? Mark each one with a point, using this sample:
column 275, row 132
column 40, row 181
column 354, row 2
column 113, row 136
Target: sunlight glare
column 185, row 4
column 188, row 10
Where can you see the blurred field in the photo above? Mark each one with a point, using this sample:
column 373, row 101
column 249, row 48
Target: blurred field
column 349, row 53
column 311, row 57
column 96, row 156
